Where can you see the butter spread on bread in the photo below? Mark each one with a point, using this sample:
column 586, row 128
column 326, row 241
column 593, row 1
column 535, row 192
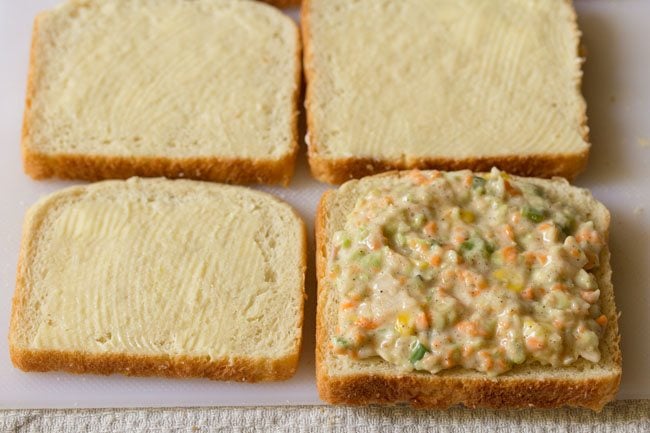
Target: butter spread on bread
column 443, row 84
column 203, row 89
column 160, row 277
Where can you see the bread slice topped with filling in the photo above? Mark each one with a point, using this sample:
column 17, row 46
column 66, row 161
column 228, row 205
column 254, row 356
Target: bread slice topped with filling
column 483, row 289
column 155, row 277
column 463, row 84
column 203, row 89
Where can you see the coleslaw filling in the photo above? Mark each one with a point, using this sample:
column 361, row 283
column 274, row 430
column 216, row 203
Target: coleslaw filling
column 462, row 270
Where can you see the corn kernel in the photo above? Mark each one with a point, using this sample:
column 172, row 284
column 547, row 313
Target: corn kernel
column 512, row 280
column 403, row 324
column 467, row 216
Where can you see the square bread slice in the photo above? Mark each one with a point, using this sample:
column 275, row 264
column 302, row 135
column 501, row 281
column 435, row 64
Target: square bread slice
column 342, row 379
column 156, row 277
column 443, row 84
column 203, row 89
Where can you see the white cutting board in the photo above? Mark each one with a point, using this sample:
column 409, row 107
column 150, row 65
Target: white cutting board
column 617, row 89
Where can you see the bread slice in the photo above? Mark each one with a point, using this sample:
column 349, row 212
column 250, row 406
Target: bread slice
column 343, row 380
column 157, row 277
column 203, row 89
column 446, row 85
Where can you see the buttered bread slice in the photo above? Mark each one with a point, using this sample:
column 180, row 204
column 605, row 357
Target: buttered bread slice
column 160, row 277
column 483, row 289
column 203, row 89
column 443, row 84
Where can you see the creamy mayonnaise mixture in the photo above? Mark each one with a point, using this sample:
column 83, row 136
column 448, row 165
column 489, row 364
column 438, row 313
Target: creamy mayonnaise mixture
column 477, row 271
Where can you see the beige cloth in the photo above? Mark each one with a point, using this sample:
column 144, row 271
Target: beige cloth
column 624, row 416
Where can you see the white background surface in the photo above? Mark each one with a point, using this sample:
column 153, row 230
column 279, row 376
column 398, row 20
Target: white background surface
column 617, row 89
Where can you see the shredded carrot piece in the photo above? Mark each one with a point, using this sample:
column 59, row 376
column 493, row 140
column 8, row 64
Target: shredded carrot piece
column 421, row 322
column 602, row 320
column 468, row 180
column 365, row 323
column 542, row 258
column 468, row 327
column 534, row 343
column 348, row 304
column 431, row 228
column 528, row 293
column 419, row 178
column 375, row 244
column 510, row 254
column 574, row 252
column 449, row 362
column 435, row 260
column 559, row 286
column 511, row 189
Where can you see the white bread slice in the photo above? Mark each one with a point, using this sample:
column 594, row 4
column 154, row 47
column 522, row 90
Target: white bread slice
column 342, row 380
column 443, row 84
column 203, row 89
column 160, row 277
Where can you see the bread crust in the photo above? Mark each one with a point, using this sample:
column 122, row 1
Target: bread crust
column 40, row 165
column 242, row 369
column 339, row 170
column 93, row 167
column 445, row 389
column 234, row 369
column 336, row 171
column 283, row 3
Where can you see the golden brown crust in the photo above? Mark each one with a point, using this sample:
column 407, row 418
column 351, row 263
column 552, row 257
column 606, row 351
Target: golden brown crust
column 238, row 369
column 325, row 386
column 99, row 167
column 40, row 165
column 307, row 61
column 29, row 94
column 339, row 170
column 245, row 369
column 581, row 53
column 446, row 389
column 441, row 392
column 283, row 3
